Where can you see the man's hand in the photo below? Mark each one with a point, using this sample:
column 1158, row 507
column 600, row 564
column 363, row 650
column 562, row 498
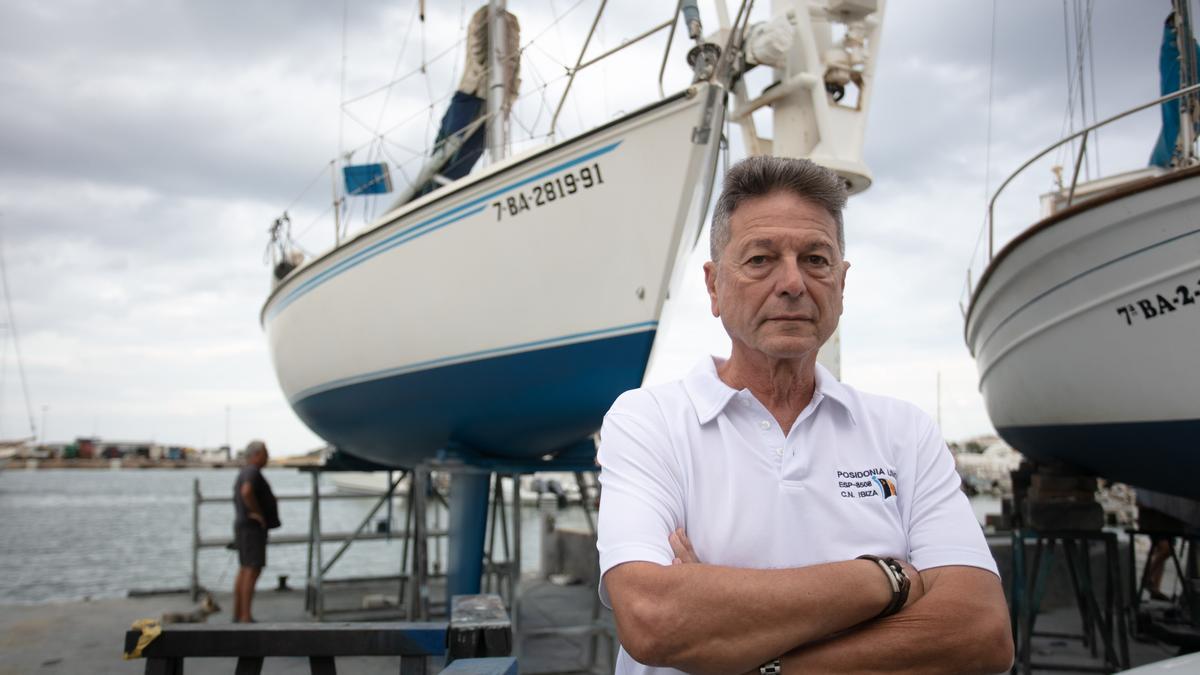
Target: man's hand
column 681, row 546
column 258, row 517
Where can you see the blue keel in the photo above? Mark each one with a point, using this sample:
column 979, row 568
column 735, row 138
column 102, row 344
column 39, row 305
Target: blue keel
column 469, row 493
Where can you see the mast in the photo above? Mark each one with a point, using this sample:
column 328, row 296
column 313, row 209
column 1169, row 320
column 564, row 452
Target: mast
column 497, row 120
column 822, row 94
column 1185, row 41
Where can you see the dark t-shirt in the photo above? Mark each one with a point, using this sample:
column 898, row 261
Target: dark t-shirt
column 262, row 493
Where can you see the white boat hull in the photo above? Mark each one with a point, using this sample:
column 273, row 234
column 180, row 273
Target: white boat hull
column 499, row 318
column 1086, row 334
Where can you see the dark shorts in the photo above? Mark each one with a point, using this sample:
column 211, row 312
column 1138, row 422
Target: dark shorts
column 251, row 542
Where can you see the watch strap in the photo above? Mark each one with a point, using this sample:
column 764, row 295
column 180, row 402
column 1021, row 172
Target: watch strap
column 771, row 668
column 897, row 578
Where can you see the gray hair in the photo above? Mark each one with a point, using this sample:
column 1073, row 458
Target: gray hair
column 254, row 448
column 761, row 175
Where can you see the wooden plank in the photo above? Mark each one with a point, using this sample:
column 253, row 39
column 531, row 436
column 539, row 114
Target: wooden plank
column 479, row 626
column 248, row 665
column 297, row 639
column 321, row 665
column 164, row 666
column 414, row 666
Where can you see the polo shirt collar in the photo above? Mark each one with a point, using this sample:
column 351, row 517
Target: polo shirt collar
column 709, row 394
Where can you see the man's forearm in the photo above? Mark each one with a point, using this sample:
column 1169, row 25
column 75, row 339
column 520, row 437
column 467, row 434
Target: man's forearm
column 959, row 626
column 706, row 618
column 251, row 502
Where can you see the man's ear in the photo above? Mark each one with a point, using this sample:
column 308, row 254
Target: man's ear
column 710, row 283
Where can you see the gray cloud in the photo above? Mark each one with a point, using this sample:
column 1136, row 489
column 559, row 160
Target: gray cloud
column 146, row 146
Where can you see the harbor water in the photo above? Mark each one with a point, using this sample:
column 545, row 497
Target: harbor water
column 71, row 534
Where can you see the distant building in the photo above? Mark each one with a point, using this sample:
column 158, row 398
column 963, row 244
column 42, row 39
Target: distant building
column 215, row 455
column 121, row 449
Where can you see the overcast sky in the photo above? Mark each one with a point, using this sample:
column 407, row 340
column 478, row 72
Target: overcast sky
column 145, row 147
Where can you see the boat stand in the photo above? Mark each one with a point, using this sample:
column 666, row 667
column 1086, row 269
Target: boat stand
column 1178, row 621
column 595, row 630
column 1103, row 625
column 413, row 576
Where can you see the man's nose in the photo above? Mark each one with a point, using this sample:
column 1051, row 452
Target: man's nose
column 790, row 281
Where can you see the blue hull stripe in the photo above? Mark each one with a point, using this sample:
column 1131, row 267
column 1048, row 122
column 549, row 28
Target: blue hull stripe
column 1163, row 456
column 424, row 227
column 484, row 353
column 506, row 408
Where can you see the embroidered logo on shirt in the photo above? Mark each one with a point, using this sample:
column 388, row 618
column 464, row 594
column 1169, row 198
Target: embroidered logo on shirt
column 873, row 482
column 887, row 486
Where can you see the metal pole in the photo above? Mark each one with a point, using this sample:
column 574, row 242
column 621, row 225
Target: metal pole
column 420, row 593
column 337, row 209
column 667, row 50
column 408, row 537
column 1187, row 74
column 497, row 88
column 504, row 532
column 1078, row 162
column 308, row 564
column 195, row 538
column 583, row 501
column 514, row 579
column 319, row 600
column 571, row 79
column 391, row 495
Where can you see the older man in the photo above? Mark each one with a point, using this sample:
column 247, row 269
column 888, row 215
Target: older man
column 738, row 501
column 255, row 512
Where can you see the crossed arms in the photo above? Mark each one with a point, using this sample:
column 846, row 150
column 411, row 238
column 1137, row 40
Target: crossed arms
column 712, row 619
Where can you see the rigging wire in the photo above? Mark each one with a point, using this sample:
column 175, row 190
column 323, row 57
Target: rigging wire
column 1091, row 53
column 12, row 327
column 557, row 18
column 311, row 183
column 3, row 375
column 1080, row 21
column 987, row 162
column 342, row 95
column 1068, row 126
column 378, row 138
column 416, row 71
column 377, row 145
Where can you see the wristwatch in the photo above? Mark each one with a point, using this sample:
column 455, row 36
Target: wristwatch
column 770, row 668
column 897, row 578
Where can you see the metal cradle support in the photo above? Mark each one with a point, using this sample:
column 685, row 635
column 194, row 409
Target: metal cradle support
column 1103, row 625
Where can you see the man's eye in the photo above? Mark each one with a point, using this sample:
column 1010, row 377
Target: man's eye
column 818, row 260
column 757, row 260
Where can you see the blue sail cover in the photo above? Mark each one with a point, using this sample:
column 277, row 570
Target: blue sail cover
column 463, row 110
column 1168, row 74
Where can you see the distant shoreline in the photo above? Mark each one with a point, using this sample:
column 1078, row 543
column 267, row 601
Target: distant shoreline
column 17, row 464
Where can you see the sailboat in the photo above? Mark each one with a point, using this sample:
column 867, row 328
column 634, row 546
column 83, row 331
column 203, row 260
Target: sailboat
column 1084, row 326
column 488, row 322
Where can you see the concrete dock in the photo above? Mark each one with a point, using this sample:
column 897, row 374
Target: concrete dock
column 86, row 637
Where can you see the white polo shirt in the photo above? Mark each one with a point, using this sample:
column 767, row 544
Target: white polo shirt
column 856, row 473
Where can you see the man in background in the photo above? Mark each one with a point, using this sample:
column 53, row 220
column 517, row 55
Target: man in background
column 256, row 511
